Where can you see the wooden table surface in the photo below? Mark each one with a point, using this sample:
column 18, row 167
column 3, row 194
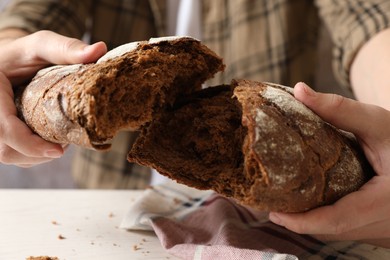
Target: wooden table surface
column 72, row 224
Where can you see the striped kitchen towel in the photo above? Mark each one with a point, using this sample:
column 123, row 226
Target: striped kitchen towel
column 193, row 224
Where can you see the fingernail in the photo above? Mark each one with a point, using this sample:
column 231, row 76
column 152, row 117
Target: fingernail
column 87, row 48
column 308, row 90
column 273, row 217
column 53, row 154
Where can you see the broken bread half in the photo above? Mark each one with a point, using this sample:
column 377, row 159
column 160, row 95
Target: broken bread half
column 87, row 104
column 256, row 143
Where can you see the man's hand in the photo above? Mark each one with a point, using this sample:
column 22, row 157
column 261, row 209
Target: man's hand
column 20, row 60
column 365, row 214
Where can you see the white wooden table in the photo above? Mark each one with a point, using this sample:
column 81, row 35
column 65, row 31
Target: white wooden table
column 72, row 224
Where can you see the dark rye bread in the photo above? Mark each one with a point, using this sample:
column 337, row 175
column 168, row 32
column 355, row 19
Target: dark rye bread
column 256, row 143
column 87, row 104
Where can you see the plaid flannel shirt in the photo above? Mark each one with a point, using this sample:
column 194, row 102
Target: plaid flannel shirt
column 265, row 40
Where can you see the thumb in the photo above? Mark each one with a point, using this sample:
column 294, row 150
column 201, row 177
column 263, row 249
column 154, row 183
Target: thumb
column 53, row 48
column 344, row 113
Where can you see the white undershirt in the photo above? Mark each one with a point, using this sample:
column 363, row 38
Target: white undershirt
column 183, row 19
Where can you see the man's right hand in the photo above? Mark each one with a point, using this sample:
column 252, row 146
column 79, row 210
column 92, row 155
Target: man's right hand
column 20, row 60
column 363, row 215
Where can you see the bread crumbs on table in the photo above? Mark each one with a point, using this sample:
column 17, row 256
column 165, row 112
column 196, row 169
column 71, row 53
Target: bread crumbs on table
column 111, row 215
column 61, row 237
column 135, row 247
column 177, row 201
column 54, row 222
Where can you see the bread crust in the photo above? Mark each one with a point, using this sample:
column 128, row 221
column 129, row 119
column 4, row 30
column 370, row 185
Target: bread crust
column 301, row 162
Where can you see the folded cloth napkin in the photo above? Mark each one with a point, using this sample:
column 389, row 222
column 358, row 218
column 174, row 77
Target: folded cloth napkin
column 193, row 224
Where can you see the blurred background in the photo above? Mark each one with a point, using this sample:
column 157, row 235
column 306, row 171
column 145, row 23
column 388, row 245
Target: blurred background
column 56, row 174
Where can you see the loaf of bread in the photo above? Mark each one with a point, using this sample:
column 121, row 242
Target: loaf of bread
column 256, row 143
column 87, row 104
column 250, row 141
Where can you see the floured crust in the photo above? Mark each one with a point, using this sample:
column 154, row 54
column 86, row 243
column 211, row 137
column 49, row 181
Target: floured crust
column 87, row 104
column 294, row 151
column 133, row 46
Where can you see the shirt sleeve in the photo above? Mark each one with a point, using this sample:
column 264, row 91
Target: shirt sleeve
column 351, row 23
column 66, row 17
